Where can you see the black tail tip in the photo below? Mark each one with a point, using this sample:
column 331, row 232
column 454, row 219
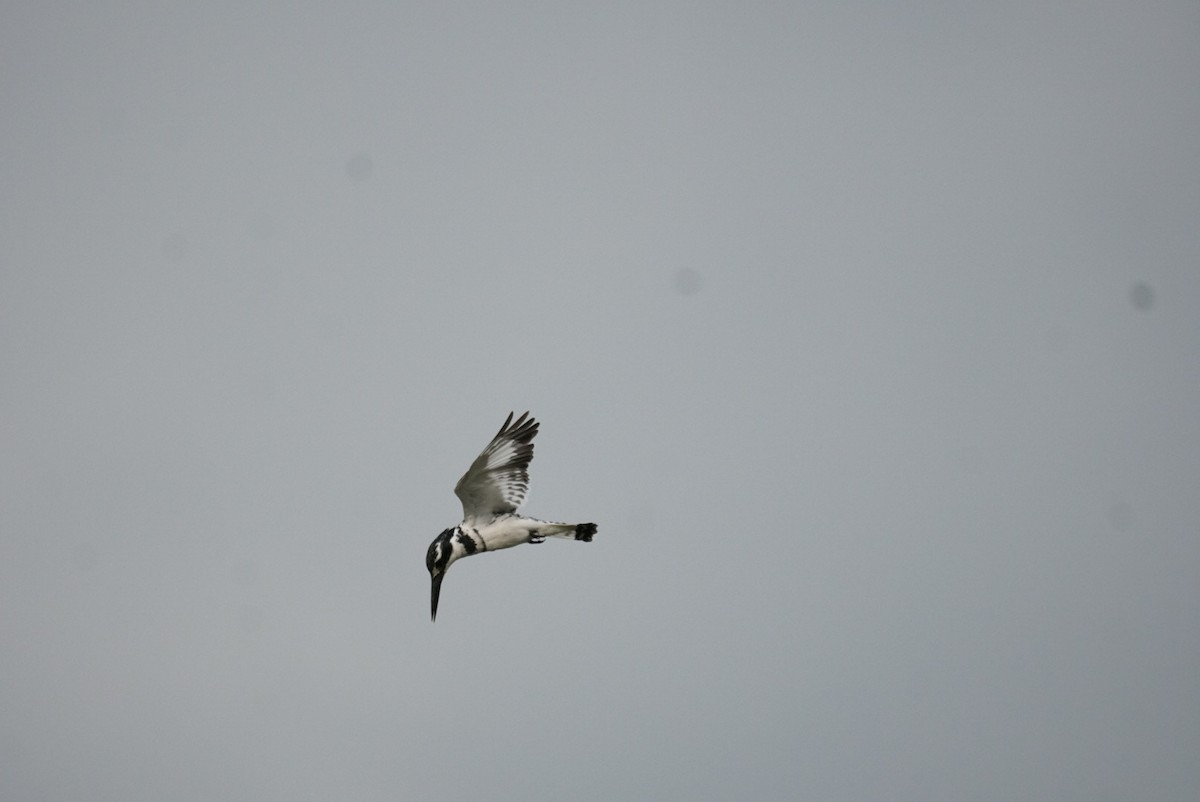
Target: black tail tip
column 584, row 532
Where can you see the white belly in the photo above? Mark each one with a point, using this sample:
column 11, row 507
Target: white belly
column 505, row 533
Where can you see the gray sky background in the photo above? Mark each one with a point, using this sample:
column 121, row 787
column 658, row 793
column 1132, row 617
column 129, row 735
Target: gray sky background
column 868, row 333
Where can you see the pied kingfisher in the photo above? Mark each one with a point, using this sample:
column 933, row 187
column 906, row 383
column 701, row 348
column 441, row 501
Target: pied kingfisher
column 491, row 491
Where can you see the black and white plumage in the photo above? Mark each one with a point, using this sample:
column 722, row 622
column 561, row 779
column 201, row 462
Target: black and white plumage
column 491, row 491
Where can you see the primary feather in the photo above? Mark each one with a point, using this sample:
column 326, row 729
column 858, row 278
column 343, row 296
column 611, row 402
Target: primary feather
column 498, row 479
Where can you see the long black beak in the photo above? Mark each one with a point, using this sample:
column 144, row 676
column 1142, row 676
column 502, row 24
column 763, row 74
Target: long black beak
column 433, row 598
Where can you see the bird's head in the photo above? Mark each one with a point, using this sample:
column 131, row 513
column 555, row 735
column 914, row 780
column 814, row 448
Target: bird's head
column 442, row 552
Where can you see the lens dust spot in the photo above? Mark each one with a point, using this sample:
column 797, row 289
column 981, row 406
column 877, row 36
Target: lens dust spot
column 85, row 556
column 176, row 247
column 687, row 281
column 1141, row 295
column 260, row 226
column 250, row 619
column 245, row 573
column 1055, row 337
column 359, row 167
column 1120, row 516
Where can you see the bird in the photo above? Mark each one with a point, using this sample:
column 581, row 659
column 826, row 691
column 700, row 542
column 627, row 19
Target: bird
column 491, row 492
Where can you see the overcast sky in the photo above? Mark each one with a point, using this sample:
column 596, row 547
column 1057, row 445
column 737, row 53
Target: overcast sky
column 868, row 333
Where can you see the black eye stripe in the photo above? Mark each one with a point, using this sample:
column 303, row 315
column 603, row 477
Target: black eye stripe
column 438, row 555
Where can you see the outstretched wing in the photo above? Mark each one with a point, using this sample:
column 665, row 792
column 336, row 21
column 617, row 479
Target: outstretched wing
column 498, row 479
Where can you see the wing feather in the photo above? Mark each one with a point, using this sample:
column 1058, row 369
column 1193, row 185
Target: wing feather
column 498, row 479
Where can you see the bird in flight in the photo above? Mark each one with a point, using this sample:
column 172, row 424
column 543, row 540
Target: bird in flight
column 491, row 491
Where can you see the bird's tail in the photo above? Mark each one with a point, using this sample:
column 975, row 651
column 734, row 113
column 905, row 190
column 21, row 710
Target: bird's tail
column 582, row 532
